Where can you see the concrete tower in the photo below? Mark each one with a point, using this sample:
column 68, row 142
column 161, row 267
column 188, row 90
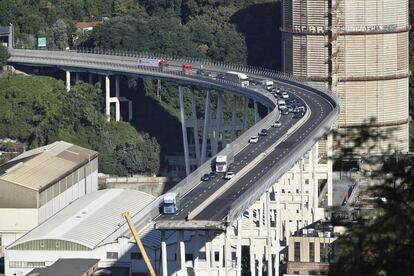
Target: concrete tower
column 359, row 50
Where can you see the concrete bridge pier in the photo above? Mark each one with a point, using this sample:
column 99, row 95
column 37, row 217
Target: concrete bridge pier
column 233, row 118
column 67, row 80
column 116, row 100
column 184, row 131
column 205, row 128
column 195, row 128
column 245, row 106
column 164, row 260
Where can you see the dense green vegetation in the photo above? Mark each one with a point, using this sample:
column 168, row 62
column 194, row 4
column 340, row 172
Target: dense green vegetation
column 4, row 56
column 382, row 243
column 38, row 111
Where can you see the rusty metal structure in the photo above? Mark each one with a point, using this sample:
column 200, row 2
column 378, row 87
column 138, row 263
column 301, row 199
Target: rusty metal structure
column 358, row 49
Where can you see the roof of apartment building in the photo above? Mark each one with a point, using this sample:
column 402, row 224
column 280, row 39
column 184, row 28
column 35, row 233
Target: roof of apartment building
column 93, row 220
column 37, row 168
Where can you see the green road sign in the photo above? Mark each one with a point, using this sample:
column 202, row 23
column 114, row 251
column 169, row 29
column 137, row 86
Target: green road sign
column 41, row 42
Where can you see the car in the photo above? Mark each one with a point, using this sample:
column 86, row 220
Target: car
column 263, row 132
column 254, row 139
column 220, row 76
column 300, row 108
column 277, row 124
column 284, row 111
column 298, row 115
column 289, row 107
column 213, row 174
column 253, row 82
column 205, row 177
column 228, row 175
column 285, row 95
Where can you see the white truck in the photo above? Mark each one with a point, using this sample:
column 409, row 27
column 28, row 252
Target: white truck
column 171, row 203
column 221, row 163
column 153, row 62
column 267, row 84
column 241, row 78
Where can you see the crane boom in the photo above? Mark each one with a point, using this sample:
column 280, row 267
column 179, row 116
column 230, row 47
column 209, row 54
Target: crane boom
column 134, row 232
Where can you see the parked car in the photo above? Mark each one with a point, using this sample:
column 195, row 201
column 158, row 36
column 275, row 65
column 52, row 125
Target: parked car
column 228, row 175
column 254, row 139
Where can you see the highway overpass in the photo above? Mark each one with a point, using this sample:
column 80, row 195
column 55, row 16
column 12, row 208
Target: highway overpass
column 216, row 204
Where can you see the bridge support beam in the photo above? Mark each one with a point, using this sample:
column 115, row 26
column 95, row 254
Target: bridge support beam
column 77, row 78
column 184, row 132
column 181, row 253
column 256, row 117
column 233, row 118
column 205, row 129
column 90, row 78
column 238, row 247
column 195, row 128
column 117, row 103
column 67, row 80
column 164, row 260
column 107, row 98
column 245, row 105
column 330, row 190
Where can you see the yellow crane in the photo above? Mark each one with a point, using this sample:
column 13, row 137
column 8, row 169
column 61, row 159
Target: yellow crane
column 134, row 232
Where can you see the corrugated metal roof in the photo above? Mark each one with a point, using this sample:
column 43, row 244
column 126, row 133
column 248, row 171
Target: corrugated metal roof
column 90, row 219
column 39, row 167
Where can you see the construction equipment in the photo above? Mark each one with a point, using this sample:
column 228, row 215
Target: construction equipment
column 134, row 232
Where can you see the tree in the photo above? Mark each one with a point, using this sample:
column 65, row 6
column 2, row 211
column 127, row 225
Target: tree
column 60, row 34
column 4, row 56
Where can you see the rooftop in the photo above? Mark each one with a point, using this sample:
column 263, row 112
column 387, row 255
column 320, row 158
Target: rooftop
column 317, row 229
column 92, row 220
column 65, row 267
column 37, row 168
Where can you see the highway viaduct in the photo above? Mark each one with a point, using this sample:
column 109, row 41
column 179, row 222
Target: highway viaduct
column 215, row 212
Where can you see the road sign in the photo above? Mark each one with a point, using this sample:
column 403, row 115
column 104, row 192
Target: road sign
column 41, row 42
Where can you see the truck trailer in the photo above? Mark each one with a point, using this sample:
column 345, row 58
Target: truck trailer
column 153, row 62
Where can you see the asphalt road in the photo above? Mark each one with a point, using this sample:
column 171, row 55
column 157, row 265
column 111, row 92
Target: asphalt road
column 219, row 208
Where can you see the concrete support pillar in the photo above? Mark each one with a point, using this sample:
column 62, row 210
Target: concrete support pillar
column 67, row 80
column 314, row 182
column 269, row 237
column 227, row 251
column 278, row 229
column 107, row 98
column 117, row 103
column 208, row 252
column 196, row 250
column 260, row 260
column 77, row 77
column 256, row 117
column 217, row 129
column 129, row 110
column 196, row 139
column 184, row 132
column 330, row 167
column 10, row 43
column 233, row 118
column 205, row 128
column 164, row 260
column 182, row 252
column 245, row 106
column 302, row 194
column 90, row 78
column 252, row 259
column 238, row 247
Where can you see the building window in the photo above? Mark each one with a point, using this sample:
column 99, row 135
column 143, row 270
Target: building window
column 331, row 252
column 136, row 256
column 297, row 252
column 306, row 181
column 188, row 257
column 323, row 253
column 216, row 256
column 295, row 272
column 311, row 252
column 202, row 256
column 112, row 255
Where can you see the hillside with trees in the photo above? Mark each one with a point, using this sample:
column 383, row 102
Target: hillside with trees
column 39, row 111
